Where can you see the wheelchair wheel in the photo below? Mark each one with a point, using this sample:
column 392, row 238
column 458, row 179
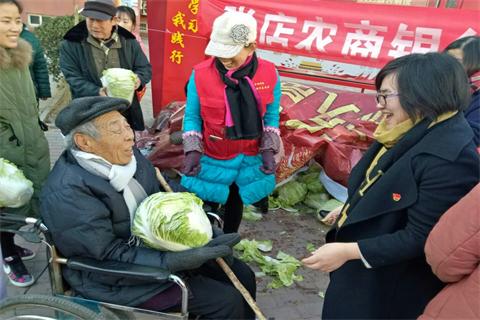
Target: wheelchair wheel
column 47, row 307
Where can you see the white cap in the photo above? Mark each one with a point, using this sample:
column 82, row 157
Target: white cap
column 230, row 33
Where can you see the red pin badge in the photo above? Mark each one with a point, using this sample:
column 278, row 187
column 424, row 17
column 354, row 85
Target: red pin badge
column 396, row 196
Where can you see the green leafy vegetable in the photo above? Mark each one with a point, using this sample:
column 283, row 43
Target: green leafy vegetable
column 250, row 214
column 290, row 194
column 282, row 268
column 312, row 181
column 331, row 204
column 172, row 221
column 311, row 247
column 15, row 189
column 120, row 83
column 316, row 200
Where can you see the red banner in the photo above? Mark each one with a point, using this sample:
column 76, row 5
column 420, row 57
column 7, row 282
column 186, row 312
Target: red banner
column 341, row 38
column 328, row 41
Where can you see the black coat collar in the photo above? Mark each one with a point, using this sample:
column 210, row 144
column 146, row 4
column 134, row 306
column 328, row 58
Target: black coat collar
column 445, row 140
column 80, row 32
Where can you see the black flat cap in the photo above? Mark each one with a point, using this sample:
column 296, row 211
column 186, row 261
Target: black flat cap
column 99, row 9
column 82, row 110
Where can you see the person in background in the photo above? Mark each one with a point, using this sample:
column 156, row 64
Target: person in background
column 22, row 141
column 422, row 162
column 467, row 51
column 95, row 45
column 453, row 251
column 38, row 67
column 231, row 120
column 38, row 70
column 89, row 200
column 127, row 19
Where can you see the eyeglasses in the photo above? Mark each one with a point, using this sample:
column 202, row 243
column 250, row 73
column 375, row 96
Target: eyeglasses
column 382, row 98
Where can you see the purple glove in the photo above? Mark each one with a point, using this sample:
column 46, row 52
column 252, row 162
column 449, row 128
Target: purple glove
column 268, row 166
column 191, row 164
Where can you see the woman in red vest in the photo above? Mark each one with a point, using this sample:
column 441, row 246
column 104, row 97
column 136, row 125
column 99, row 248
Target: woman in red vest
column 231, row 120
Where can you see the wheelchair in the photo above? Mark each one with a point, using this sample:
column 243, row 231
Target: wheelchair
column 63, row 304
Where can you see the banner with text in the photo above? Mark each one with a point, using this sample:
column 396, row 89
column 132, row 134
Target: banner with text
column 341, row 38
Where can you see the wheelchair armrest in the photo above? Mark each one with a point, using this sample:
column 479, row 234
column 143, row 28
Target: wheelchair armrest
column 117, row 268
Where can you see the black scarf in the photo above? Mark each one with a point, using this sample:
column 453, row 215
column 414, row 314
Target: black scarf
column 247, row 122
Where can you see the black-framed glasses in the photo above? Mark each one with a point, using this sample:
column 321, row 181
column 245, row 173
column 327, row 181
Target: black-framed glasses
column 382, row 98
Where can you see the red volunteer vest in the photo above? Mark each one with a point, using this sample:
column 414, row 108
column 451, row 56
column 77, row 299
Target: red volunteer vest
column 210, row 89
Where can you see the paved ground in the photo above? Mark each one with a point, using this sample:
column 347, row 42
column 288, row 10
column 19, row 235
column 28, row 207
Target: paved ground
column 289, row 233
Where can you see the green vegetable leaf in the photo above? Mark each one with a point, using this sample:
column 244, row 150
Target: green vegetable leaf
column 311, row 247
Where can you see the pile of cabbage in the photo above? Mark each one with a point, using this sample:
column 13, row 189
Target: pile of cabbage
column 304, row 189
column 172, row 221
column 120, row 83
column 15, row 189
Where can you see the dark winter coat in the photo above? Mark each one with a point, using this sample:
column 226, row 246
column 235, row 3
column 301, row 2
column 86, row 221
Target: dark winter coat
column 87, row 217
column 21, row 139
column 78, row 67
column 38, row 67
column 472, row 114
column 392, row 220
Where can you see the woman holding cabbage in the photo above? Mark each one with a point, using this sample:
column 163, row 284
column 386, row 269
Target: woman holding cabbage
column 22, row 141
column 423, row 161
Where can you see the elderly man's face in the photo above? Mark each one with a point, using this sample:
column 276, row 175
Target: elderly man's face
column 116, row 139
column 100, row 29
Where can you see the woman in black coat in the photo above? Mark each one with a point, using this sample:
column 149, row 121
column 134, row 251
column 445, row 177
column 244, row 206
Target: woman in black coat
column 422, row 162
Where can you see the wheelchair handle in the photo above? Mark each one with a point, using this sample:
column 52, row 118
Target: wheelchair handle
column 10, row 217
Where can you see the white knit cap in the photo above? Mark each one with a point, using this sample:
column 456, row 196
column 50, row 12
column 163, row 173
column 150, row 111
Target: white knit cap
column 230, row 33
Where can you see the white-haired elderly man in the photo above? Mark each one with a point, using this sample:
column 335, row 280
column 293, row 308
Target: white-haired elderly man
column 88, row 203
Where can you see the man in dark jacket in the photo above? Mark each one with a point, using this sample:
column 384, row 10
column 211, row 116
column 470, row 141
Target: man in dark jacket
column 38, row 67
column 97, row 44
column 87, row 204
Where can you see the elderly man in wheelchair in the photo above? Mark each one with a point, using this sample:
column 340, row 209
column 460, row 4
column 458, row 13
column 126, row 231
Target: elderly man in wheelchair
column 88, row 202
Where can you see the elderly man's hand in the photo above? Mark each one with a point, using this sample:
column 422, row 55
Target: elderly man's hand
column 138, row 82
column 194, row 258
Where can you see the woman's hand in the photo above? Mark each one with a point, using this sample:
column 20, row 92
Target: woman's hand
column 332, row 256
column 332, row 216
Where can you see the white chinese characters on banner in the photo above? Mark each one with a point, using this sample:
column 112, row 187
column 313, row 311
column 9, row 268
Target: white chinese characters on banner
column 317, row 35
column 280, row 29
column 365, row 39
column 367, row 44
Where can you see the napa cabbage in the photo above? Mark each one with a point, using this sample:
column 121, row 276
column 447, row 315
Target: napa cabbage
column 172, row 221
column 120, row 83
column 15, row 189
